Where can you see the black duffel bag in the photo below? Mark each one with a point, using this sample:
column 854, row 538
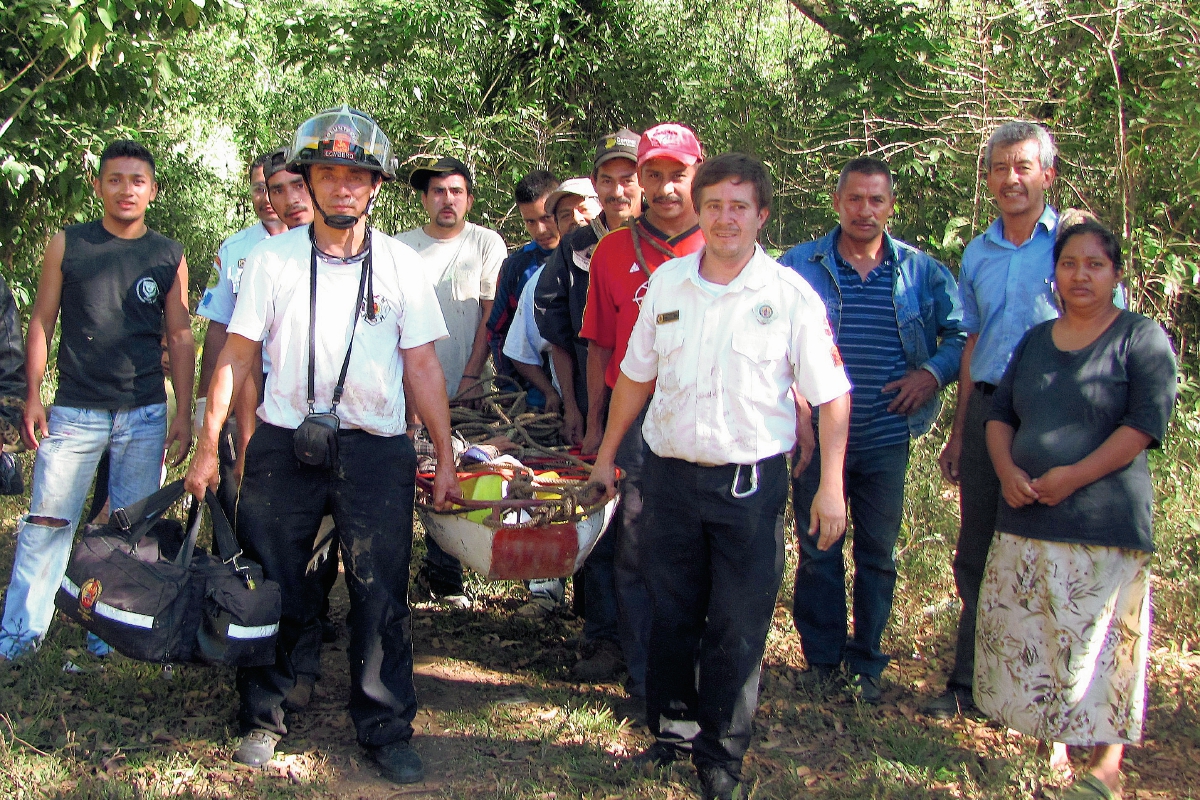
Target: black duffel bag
column 140, row 583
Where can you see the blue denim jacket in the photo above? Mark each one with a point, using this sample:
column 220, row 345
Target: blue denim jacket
column 927, row 302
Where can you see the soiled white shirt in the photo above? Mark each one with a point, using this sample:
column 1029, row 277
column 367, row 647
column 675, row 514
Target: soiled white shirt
column 463, row 271
column 724, row 364
column 273, row 308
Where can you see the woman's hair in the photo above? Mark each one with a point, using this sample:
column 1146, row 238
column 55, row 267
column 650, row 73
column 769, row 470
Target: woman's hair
column 1108, row 241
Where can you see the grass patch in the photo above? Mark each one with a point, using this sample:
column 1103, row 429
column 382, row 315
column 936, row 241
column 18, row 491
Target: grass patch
column 500, row 717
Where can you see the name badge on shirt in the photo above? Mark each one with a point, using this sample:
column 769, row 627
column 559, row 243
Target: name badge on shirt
column 669, row 316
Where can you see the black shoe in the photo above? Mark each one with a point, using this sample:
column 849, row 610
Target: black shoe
column 868, row 689
column 659, row 755
column 716, row 783
column 954, row 701
column 399, row 762
column 817, row 678
column 257, row 748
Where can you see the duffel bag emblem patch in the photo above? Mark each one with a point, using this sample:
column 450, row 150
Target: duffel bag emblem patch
column 89, row 593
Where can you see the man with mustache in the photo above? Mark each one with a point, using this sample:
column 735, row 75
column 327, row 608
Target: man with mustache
column 621, row 267
column 897, row 321
column 462, row 262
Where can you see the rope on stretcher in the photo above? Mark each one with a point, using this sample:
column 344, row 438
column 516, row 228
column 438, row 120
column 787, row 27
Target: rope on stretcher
column 540, row 448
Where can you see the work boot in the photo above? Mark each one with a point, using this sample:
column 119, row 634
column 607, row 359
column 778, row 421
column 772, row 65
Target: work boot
column 867, row 688
column 538, row 608
column 602, row 660
column 657, row 756
column 716, row 783
column 398, row 762
column 257, row 748
column 952, row 702
column 817, row 679
column 300, row 694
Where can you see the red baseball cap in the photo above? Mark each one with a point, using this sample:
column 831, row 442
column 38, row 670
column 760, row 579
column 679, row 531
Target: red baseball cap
column 669, row 140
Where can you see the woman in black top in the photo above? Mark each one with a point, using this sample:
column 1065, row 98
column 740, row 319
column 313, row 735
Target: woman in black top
column 1064, row 612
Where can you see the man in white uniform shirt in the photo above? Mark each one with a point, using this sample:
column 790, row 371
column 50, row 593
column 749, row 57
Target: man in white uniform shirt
column 462, row 262
column 344, row 316
column 725, row 333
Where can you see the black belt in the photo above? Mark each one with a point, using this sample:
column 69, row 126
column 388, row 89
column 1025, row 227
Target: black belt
column 985, row 387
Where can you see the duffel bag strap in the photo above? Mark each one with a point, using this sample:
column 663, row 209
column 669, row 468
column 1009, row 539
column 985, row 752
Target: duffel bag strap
column 227, row 546
column 135, row 519
column 184, row 559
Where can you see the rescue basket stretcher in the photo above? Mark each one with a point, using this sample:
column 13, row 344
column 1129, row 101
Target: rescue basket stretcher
column 519, row 524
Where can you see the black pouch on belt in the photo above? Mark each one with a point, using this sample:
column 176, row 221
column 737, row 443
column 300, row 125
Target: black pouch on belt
column 315, row 441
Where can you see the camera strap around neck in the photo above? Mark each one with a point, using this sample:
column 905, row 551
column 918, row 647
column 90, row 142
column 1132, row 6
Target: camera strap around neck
column 312, row 330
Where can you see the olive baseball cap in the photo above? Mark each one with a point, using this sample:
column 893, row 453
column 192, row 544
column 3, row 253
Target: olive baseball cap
column 622, row 144
column 429, row 167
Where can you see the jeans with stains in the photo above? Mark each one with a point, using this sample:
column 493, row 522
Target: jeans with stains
column 62, row 474
column 370, row 497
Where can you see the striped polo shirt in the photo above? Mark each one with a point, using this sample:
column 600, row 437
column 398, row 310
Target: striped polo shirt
column 869, row 340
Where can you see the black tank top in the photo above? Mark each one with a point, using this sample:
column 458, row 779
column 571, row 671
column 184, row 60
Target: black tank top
column 113, row 293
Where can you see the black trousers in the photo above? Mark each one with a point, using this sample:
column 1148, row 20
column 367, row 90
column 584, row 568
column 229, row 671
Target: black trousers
column 713, row 564
column 980, row 496
column 370, row 496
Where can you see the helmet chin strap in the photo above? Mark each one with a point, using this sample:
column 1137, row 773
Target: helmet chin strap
column 339, row 222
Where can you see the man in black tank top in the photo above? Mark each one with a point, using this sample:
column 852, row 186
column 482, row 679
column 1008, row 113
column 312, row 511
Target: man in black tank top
column 121, row 288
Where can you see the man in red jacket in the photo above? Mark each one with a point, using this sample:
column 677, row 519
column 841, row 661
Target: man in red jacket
column 620, row 270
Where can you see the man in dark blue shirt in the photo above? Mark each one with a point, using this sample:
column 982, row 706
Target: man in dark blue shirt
column 530, row 194
column 897, row 321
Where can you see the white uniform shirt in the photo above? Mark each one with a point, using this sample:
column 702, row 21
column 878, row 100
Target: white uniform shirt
column 219, row 298
column 524, row 343
column 724, row 364
column 463, row 271
column 272, row 308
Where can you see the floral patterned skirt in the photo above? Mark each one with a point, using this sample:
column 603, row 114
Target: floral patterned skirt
column 1061, row 640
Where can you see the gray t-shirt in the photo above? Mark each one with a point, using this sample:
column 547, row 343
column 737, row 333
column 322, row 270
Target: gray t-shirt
column 463, row 271
column 1064, row 405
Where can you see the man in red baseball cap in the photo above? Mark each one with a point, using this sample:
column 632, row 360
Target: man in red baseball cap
column 621, row 266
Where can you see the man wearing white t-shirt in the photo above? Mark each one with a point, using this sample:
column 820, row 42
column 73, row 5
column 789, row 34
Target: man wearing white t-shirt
column 344, row 317
column 462, row 261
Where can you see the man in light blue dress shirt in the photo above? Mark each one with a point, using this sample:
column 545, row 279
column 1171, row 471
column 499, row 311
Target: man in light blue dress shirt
column 1005, row 282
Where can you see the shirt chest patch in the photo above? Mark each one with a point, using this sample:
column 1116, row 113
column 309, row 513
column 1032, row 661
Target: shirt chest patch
column 667, row 317
column 765, row 313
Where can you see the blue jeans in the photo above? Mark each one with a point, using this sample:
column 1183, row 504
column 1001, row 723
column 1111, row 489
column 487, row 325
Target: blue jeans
column 62, row 474
column 874, row 481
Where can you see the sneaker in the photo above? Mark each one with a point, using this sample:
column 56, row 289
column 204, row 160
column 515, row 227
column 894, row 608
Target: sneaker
column 301, row 693
column 954, row 701
column 602, row 660
column 659, row 755
column 817, row 678
column 399, row 762
column 451, row 597
column 538, row 608
column 717, row 784
column 257, row 748
column 867, row 688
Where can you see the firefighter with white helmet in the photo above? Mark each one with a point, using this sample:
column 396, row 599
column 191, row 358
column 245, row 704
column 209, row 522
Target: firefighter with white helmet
column 345, row 316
